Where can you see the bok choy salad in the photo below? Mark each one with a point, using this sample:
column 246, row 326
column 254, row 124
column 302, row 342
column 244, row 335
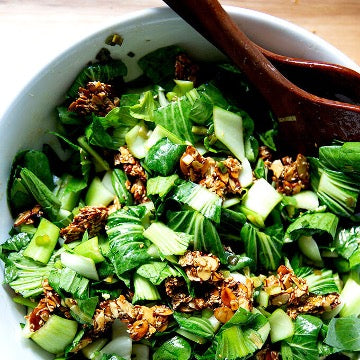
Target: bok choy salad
column 166, row 224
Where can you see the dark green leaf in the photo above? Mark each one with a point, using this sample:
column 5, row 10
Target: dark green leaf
column 176, row 348
column 98, row 72
column 313, row 224
column 163, row 158
column 343, row 334
column 162, row 75
column 156, row 271
column 205, row 235
column 303, row 344
column 119, row 179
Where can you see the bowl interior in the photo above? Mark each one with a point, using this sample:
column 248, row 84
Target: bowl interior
column 31, row 115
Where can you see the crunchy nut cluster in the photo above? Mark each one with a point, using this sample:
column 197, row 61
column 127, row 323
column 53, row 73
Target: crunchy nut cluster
column 291, row 177
column 315, row 304
column 265, row 154
column 50, row 302
column 267, row 354
column 286, row 287
column 29, row 216
column 225, row 296
column 132, row 167
column 94, row 98
column 142, row 321
column 234, row 294
column 199, row 267
column 220, row 177
column 185, row 69
column 90, row 218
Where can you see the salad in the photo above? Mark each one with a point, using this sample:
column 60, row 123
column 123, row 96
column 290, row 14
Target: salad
column 166, row 224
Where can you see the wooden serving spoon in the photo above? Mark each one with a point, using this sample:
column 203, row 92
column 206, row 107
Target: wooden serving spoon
column 306, row 121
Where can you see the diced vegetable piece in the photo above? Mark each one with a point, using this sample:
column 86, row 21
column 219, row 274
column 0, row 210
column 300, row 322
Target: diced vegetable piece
column 246, row 174
column 43, row 242
column 176, row 348
column 199, row 198
column 90, row 350
column 182, row 87
column 282, row 327
column 56, row 334
column 136, row 140
column 303, row 200
column 229, row 130
column 191, row 336
column 309, row 248
column 90, row 249
column 144, row 289
column 350, row 297
column 81, row 264
column 168, row 241
column 68, row 191
column 159, row 133
column 261, row 198
column 98, row 194
column 160, row 185
column 121, row 344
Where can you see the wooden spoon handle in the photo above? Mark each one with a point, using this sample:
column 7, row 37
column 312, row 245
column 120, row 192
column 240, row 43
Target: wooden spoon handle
column 211, row 20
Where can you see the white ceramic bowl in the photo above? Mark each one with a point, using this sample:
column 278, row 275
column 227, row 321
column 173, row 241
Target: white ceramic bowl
column 31, row 115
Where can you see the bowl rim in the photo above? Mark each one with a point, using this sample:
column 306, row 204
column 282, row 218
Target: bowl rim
column 152, row 15
column 280, row 24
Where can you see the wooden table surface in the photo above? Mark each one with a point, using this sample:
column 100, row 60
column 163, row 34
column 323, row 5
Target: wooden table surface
column 32, row 32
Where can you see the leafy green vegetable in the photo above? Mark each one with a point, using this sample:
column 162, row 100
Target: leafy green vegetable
column 336, row 190
column 164, row 156
column 118, row 180
column 205, row 235
column 43, row 195
column 263, row 247
column 83, row 311
column 167, row 240
column 343, row 334
column 195, row 325
column 176, row 348
column 321, row 282
column 175, row 117
column 346, row 241
column 69, row 281
column 14, row 243
column 344, row 158
column 303, row 345
column 97, row 135
column 311, row 224
column 161, row 185
column 162, row 75
column 98, row 72
column 144, row 289
column 156, row 272
column 199, row 198
column 125, row 232
column 24, row 275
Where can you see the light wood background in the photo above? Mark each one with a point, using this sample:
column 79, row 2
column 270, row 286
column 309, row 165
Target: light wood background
column 32, row 32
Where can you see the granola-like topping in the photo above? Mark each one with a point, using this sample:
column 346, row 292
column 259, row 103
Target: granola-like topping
column 291, row 177
column 220, row 177
column 29, row 216
column 90, row 218
column 185, row 69
column 315, row 304
column 286, row 287
column 133, row 169
column 50, row 302
column 223, row 295
column 94, row 98
column 199, row 267
column 142, row 321
column 267, row 354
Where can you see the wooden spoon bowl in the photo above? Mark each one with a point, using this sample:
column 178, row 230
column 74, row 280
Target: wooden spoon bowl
column 306, row 121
